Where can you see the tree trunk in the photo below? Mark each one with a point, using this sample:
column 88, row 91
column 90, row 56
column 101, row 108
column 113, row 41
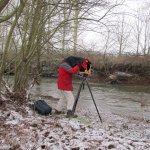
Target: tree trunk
column 6, row 48
column 29, row 48
column 76, row 25
column 3, row 3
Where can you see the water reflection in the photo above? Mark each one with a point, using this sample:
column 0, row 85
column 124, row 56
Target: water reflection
column 133, row 101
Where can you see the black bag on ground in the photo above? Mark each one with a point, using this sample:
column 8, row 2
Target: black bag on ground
column 42, row 107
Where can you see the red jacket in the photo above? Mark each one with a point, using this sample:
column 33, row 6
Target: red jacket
column 65, row 73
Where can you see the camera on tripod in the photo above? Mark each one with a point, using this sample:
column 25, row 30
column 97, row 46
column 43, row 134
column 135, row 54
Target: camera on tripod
column 85, row 73
column 88, row 69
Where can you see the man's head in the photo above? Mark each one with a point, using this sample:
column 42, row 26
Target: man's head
column 72, row 61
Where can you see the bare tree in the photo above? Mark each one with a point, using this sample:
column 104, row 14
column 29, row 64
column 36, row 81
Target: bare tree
column 138, row 33
column 121, row 33
column 6, row 47
column 30, row 46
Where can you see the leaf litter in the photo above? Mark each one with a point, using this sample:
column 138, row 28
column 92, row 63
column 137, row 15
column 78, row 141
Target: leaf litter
column 23, row 129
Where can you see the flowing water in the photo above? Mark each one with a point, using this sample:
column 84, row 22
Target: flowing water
column 130, row 101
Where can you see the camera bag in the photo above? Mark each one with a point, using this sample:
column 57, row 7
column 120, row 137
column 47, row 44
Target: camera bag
column 42, row 107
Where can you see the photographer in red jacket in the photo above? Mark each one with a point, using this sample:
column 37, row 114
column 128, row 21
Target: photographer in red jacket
column 68, row 67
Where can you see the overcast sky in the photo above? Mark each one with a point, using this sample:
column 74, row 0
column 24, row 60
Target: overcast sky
column 130, row 7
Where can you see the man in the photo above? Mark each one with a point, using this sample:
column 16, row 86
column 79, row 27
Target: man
column 68, row 67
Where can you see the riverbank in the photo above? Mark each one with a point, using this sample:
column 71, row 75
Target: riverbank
column 103, row 66
column 22, row 128
column 134, row 80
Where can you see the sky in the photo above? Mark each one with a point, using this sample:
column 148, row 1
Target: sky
column 130, row 7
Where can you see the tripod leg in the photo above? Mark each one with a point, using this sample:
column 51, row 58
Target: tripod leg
column 94, row 101
column 77, row 97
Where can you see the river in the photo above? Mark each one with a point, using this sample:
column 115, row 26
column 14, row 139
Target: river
column 130, row 101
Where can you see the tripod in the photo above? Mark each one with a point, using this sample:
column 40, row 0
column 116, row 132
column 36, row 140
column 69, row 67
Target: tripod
column 78, row 94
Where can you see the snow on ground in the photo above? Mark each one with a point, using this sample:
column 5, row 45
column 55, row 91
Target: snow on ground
column 27, row 130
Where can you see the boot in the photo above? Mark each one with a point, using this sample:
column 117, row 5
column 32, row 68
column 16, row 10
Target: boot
column 70, row 114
